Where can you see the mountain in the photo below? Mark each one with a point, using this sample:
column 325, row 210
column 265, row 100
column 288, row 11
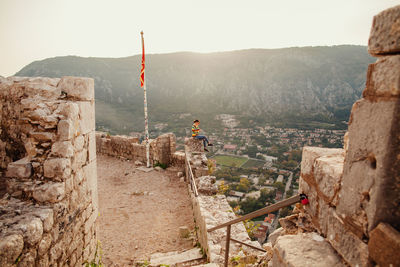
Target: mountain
column 263, row 85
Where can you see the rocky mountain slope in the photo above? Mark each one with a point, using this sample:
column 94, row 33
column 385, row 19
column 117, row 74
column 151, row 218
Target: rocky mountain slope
column 315, row 83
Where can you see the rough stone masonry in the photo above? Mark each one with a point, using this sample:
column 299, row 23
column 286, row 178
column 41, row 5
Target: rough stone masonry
column 48, row 179
column 355, row 193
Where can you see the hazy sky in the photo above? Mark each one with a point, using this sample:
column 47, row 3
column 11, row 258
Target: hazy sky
column 37, row 29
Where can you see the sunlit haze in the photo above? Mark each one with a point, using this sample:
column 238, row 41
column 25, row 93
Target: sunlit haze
column 37, row 29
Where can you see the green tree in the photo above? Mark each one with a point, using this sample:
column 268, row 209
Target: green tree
column 279, row 186
column 244, row 185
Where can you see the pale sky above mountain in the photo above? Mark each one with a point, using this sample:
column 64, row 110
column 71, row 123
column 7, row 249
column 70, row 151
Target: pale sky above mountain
column 37, row 29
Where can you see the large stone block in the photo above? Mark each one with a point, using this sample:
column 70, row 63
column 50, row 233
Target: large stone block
column 57, row 168
column 10, row 248
column 383, row 77
column 87, row 117
column 33, row 230
column 384, row 245
column 78, row 88
column 44, row 87
column 312, row 153
column 67, row 129
column 206, row 185
column 79, row 159
column 68, row 109
column 20, row 169
column 50, row 192
column 328, row 173
column 385, row 32
column 372, row 165
column 62, row 149
column 304, row 250
column 347, row 244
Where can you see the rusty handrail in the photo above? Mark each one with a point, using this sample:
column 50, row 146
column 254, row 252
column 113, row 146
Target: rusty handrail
column 274, row 207
column 191, row 177
column 254, row 214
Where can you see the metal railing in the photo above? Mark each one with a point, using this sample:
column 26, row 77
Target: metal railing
column 190, row 176
column 274, row 207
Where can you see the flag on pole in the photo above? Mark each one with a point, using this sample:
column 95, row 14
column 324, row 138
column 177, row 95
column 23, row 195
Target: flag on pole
column 142, row 71
column 146, row 124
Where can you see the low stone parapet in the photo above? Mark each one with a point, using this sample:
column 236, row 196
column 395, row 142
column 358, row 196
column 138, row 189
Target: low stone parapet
column 194, row 145
column 162, row 148
column 210, row 211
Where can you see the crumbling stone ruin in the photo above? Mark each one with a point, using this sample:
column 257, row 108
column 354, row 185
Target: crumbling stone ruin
column 354, row 193
column 48, row 200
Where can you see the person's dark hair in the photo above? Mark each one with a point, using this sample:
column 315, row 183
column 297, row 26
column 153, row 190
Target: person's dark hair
column 196, row 121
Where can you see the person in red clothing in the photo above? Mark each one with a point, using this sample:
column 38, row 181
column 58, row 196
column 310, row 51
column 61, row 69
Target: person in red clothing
column 195, row 134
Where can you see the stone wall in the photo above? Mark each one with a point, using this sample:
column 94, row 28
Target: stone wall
column 355, row 192
column 48, row 205
column 162, row 149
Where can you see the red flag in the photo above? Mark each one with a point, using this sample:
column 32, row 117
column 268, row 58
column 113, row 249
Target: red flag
column 142, row 71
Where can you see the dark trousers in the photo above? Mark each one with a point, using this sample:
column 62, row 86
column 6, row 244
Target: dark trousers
column 202, row 137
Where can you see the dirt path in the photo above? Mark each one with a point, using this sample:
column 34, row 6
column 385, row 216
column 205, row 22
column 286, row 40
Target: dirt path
column 140, row 213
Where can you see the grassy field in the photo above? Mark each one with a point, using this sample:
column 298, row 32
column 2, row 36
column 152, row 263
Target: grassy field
column 250, row 164
column 230, row 161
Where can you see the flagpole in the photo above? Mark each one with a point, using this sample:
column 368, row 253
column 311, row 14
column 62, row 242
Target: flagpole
column 146, row 124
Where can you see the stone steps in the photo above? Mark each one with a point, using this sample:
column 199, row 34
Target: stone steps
column 175, row 258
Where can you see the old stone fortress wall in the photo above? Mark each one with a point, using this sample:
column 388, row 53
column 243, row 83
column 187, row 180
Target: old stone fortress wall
column 48, row 164
column 48, row 186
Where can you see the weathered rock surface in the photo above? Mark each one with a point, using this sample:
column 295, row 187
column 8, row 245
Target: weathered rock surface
column 175, row 257
column 304, row 250
column 385, row 32
column 194, row 145
column 383, row 78
column 206, row 185
column 384, row 245
column 21, row 168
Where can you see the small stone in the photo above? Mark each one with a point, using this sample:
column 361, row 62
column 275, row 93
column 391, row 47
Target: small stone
column 180, row 174
column 79, row 143
column 44, row 244
column 184, row 232
column 42, row 136
column 138, row 163
column 46, row 215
